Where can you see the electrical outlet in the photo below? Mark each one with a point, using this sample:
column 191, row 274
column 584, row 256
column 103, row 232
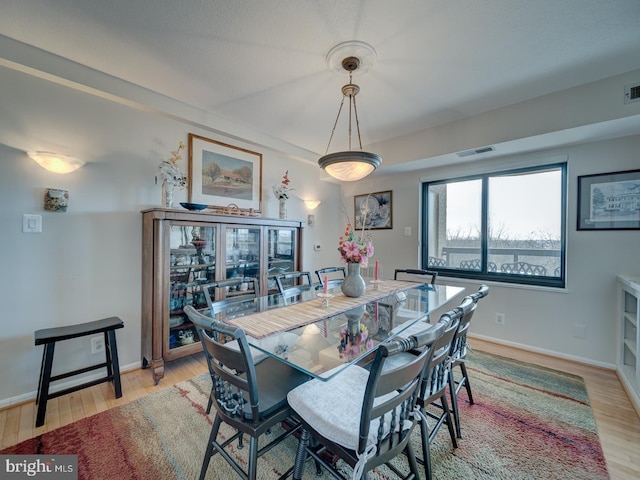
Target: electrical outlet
column 500, row 317
column 97, row 344
column 579, row 331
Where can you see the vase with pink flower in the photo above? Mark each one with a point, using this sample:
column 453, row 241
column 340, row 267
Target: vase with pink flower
column 354, row 336
column 355, row 251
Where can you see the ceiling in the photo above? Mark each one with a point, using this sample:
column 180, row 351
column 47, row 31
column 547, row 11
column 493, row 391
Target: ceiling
column 262, row 64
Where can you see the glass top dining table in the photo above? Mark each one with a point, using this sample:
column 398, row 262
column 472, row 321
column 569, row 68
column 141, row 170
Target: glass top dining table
column 304, row 332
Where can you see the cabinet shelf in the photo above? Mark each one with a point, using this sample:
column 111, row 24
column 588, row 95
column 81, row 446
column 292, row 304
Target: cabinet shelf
column 193, row 266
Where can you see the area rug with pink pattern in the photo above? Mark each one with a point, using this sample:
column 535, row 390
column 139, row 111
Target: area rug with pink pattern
column 527, row 422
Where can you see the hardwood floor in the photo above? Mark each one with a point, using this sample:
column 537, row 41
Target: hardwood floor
column 617, row 421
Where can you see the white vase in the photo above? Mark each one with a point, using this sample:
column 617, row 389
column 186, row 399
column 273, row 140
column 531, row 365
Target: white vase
column 167, row 195
column 282, row 208
column 353, row 285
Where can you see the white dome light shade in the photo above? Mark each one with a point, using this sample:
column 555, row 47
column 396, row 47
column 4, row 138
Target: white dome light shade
column 351, row 165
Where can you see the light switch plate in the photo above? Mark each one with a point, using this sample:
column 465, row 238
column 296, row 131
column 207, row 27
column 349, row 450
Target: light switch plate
column 31, row 223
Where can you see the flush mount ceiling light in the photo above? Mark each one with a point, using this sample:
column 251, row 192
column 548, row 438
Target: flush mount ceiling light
column 350, row 165
column 56, row 162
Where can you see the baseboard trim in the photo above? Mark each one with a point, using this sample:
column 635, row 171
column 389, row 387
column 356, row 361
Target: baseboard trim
column 31, row 396
column 549, row 353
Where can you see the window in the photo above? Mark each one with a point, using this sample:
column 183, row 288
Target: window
column 507, row 226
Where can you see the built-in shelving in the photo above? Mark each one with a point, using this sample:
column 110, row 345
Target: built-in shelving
column 629, row 341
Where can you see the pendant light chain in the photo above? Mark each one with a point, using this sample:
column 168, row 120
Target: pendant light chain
column 355, row 110
column 352, row 108
column 334, row 125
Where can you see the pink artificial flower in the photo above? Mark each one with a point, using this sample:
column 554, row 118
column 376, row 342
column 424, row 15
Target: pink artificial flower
column 369, row 249
column 351, row 250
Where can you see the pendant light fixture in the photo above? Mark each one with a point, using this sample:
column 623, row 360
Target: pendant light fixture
column 350, row 165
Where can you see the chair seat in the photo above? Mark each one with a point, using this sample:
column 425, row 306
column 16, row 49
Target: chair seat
column 256, row 354
column 333, row 408
column 286, row 340
column 275, row 379
column 406, row 332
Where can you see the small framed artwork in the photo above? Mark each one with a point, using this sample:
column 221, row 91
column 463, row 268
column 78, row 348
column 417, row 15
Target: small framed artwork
column 373, row 210
column 221, row 175
column 609, row 201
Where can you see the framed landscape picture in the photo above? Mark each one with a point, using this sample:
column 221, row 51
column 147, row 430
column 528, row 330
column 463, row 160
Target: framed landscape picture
column 222, row 174
column 609, row 201
column 373, row 210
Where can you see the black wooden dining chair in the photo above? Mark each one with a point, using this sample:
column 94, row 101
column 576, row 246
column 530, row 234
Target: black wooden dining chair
column 433, row 393
column 459, row 347
column 202, row 323
column 251, row 398
column 413, row 272
column 335, row 276
column 365, row 417
column 231, row 289
column 293, row 280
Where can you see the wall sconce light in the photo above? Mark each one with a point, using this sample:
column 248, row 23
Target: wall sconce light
column 312, row 204
column 56, row 162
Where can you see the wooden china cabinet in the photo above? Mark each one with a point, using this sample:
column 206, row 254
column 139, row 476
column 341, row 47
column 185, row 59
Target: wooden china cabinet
column 182, row 251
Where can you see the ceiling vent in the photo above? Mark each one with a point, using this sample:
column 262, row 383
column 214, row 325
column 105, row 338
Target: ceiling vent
column 632, row 93
column 475, row 151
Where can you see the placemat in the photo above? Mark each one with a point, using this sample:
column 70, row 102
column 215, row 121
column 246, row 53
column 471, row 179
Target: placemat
column 265, row 323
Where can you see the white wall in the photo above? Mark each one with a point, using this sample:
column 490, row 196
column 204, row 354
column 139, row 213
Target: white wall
column 86, row 263
column 538, row 318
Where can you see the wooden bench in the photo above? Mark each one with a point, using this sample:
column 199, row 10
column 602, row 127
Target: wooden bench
column 49, row 336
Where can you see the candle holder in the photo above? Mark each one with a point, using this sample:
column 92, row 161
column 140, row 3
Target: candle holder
column 325, row 299
column 376, row 284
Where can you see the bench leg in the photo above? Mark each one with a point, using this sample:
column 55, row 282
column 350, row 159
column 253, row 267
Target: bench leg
column 43, row 384
column 112, row 361
column 44, row 355
column 107, row 351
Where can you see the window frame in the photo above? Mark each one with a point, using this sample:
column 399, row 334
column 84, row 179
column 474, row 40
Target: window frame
column 484, row 274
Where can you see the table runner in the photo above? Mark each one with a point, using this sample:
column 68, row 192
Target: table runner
column 265, row 323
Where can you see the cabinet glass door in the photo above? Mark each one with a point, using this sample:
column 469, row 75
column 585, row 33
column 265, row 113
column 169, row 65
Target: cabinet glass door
column 282, row 253
column 191, row 264
column 242, row 252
